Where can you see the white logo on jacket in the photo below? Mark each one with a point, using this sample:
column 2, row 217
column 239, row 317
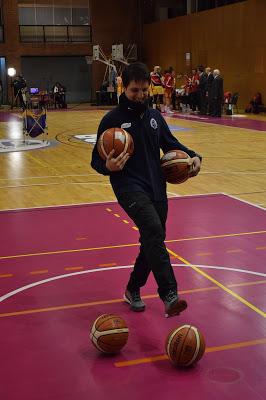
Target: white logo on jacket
column 126, row 125
column 153, row 123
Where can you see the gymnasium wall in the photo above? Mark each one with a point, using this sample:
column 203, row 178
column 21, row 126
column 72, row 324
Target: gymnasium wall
column 231, row 38
column 13, row 50
column 72, row 72
column 113, row 21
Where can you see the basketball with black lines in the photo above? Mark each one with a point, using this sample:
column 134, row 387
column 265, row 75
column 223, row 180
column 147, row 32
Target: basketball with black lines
column 185, row 345
column 116, row 139
column 109, row 333
column 176, row 166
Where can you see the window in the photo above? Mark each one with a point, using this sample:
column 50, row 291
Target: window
column 34, row 14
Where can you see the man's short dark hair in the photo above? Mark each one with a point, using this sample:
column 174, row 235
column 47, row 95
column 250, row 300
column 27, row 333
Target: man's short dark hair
column 137, row 72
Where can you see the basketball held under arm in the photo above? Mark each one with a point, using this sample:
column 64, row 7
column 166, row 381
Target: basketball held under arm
column 169, row 142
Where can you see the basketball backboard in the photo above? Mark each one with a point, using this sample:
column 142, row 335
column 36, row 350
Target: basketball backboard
column 96, row 52
column 117, row 52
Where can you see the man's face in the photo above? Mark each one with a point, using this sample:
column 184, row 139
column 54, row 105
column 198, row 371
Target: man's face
column 137, row 91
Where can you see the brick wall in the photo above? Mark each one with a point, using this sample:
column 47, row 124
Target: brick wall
column 113, row 21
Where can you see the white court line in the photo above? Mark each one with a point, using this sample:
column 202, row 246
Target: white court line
column 244, row 201
column 233, row 172
column 56, row 183
column 46, row 176
column 115, row 202
column 54, row 278
column 174, row 194
column 94, row 203
column 243, row 271
column 59, row 206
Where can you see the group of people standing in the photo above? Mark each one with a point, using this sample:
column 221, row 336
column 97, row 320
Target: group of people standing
column 204, row 92
column 201, row 92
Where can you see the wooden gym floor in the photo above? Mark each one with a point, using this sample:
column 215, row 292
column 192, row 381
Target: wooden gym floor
column 234, row 160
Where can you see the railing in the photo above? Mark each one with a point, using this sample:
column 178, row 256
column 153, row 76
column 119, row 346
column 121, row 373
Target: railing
column 55, row 33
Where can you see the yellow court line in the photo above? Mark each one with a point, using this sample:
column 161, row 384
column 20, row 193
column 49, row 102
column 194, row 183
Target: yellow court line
column 6, row 275
column 107, row 265
column 234, row 251
column 135, row 228
column 261, row 248
column 117, row 215
column 73, row 268
column 162, row 357
column 125, row 221
column 48, row 253
column 126, row 245
column 108, row 209
column 241, row 299
column 203, row 254
column 112, row 301
column 215, row 236
column 37, row 272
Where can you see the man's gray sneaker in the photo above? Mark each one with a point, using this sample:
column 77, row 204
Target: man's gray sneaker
column 173, row 305
column 134, row 299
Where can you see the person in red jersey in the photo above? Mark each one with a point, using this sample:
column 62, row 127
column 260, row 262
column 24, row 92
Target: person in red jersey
column 194, row 87
column 169, row 87
column 157, row 87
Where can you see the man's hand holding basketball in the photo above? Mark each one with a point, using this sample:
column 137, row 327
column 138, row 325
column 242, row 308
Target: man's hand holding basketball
column 118, row 163
column 195, row 167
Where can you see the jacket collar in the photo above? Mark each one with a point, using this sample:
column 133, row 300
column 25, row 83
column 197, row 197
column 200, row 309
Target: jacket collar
column 132, row 106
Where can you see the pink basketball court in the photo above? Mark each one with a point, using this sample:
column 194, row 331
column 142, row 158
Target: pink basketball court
column 62, row 267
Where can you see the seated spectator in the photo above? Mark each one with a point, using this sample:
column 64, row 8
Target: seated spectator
column 255, row 103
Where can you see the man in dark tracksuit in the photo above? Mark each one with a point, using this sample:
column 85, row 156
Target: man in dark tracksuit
column 140, row 186
column 217, row 94
column 202, row 88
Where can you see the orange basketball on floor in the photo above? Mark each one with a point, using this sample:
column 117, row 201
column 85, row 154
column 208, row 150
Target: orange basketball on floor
column 176, row 165
column 117, row 139
column 185, row 345
column 109, row 333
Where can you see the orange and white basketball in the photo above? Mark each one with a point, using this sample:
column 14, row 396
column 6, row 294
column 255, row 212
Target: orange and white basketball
column 109, row 333
column 185, row 345
column 117, row 139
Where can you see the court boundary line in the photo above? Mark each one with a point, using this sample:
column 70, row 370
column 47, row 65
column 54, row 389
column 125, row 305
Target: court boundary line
column 96, row 203
column 245, row 201
column 115, row 201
